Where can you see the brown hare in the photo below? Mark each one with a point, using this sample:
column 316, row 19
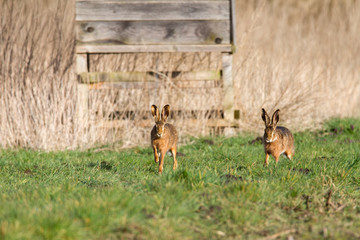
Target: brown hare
column 277, row 140
column 163, row 136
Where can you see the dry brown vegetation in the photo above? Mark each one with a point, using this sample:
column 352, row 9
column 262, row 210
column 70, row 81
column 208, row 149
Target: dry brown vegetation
column 299, row 56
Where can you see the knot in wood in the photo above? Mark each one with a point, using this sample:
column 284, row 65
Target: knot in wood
column 89, row 29
column 218, row 40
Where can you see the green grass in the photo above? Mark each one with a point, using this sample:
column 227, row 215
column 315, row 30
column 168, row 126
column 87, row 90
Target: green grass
column 220, row 190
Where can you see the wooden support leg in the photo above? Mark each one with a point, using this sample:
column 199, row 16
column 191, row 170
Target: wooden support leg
column 82, row 90
column 228, row 99
column 82, row 101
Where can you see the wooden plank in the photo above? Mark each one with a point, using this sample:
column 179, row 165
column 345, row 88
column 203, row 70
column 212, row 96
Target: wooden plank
column 124, row 85
column 93, row 48
column 151, row 85
column 197, row 75
column 228, row 97
column 96, row 77
column 187, row 123
column 150, row 1
column 196, row 84
column 153, row 32
column 142, row 62
column 152, row 10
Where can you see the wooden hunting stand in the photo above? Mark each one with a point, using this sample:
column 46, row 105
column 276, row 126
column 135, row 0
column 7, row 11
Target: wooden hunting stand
column 148, row 26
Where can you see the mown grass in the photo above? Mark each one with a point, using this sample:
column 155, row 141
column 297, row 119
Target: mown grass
column 220, row 190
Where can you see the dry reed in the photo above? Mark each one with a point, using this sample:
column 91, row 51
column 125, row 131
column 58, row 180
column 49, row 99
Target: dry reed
column 299, row 56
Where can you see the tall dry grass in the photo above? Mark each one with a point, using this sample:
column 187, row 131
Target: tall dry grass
column 299, row 56
column 36, row 74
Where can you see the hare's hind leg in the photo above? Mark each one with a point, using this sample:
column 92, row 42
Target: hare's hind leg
column 173, row 151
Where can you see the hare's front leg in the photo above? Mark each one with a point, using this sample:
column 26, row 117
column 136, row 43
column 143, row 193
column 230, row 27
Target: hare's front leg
column 161, row 163
column 156, row 156
column 173, row 151
column 266, row 160
column 289, row 154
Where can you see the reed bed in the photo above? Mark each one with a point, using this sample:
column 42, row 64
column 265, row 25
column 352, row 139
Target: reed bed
column 299, row 56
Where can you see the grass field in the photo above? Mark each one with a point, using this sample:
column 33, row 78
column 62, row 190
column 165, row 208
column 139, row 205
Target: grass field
column 220, row 190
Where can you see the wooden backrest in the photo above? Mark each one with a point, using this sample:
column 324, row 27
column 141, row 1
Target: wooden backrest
column 117, row 26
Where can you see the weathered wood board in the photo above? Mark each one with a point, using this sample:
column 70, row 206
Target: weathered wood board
column 152, row 10
column 156, row 26
column 160, row 62
column 96, row 77
column 113, row 48
column 188, row 123
column 154, row 85
column 154, row 32
column 110, row 26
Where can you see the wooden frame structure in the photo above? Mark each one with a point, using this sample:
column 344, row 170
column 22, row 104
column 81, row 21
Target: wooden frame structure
column 140, row 26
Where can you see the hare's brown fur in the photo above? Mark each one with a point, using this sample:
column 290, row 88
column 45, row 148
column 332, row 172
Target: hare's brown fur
column 164, row 136
column 277, row 139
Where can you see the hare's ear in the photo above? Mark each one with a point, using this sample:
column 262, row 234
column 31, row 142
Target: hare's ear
column 155, row 113
column 275, row 118
column 165, row 112
column 265, row 117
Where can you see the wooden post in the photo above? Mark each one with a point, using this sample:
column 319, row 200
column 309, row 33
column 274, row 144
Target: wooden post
column 82, row 90
column 228, row 99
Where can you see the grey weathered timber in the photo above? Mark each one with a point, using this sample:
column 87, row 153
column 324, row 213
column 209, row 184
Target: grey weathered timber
column 187, row 122
column 152, row 85
column 111, row 26
column 196, row 84
column 150, row 1
column 96, row 77
column 228, row 96
column 153, row 32
column 93, row 48
column 81, row 63
column 82, row 90
column 151, row 10
column 135, row 26
column 124, row 85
